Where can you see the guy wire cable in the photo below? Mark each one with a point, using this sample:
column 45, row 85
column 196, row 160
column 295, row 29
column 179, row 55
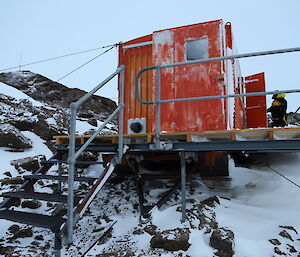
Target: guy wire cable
column 86, row 62
column 58, row 57
column 284, row 177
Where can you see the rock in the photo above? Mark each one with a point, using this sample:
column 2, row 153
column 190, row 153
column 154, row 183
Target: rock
column 88, row 156
column 11, row 137
column 277, row 251
column 16, row 202
column 7, row 173
column 93, row 122
column 274, row 242
column 171, row 240
column 211, row 201
column 35, row 243
column 4, row 250
column 60, row 210
column 49, row 204
column 28, row 163
column 51, row 145
column 14, row 228
column 122, row 253
column 22, row 233
column 223, row 241
column 86, row 115
column 206, row 219
column 150, row 229
column 285, row 234
column 31, row 204
column 12, row 181
column 39, row 237
column 13, row 150
column 291, row 248
column 138, row 232
column 96, row 230
column 38, row 126
column 290, row 228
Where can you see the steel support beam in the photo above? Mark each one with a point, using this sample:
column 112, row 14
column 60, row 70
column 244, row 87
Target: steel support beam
column 255, row 145
column 183, row 186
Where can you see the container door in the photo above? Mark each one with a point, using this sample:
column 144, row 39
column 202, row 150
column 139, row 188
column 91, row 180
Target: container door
column 199, row 41
column 256, row 109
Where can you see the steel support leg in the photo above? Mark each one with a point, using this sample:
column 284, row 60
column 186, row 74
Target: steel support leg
column 183, row 186
column 134, row 166
column 59, row 171
column 57, row 245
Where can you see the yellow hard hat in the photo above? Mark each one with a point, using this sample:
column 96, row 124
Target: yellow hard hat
column 280, row 96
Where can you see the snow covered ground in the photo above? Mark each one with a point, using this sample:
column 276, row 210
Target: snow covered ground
column 17, row 94
column 257, row 206
column 254, row 207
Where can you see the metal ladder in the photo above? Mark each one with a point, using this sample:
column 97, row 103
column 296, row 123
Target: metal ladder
column 76, row 206
column 56, row 224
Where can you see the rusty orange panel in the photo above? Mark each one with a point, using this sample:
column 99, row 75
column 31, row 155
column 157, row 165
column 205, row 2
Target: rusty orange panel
column 192, row 80
column 256, row 105
column 134, row 60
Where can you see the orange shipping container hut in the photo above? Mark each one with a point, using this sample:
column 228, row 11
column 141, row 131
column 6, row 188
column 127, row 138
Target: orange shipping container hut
column 181, row 44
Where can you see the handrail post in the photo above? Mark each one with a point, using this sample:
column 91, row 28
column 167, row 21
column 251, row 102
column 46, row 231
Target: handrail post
column 71, row 162
column 158, row 118
column 73, row 154
column 121, row 115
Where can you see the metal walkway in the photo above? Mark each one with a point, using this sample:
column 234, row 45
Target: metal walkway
column 258, row 140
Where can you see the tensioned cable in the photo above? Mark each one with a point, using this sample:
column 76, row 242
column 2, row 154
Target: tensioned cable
column 284, row 177
column 86, row 63
column 58, row 57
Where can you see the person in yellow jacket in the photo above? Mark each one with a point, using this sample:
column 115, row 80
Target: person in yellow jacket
column 278, row 110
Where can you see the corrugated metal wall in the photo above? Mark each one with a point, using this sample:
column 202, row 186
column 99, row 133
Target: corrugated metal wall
column 134, row 60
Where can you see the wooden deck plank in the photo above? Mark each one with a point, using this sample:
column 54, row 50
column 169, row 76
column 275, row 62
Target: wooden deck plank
column 194, row 136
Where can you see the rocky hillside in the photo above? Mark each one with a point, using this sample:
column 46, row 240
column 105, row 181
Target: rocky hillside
column 47, row 91
column 35, row 103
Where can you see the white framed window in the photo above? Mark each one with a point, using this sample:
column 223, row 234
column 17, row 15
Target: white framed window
column 197, row 49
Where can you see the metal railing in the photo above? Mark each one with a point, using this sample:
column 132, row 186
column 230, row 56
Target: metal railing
column 158, row 68
column 74, row 155
column 158, row 101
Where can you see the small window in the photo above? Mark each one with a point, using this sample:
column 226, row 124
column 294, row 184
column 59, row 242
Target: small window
column 197, row 49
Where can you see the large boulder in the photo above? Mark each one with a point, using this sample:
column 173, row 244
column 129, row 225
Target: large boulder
column 171, row 240
column 10, row 136
column 28, row 163
column 222, row 240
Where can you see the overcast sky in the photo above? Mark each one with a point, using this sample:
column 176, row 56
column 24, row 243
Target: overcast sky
column 32, row 30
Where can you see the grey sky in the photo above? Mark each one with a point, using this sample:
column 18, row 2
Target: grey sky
column 32, row 30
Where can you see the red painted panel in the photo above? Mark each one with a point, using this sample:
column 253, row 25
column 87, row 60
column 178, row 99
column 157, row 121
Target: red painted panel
column 256, row 105
column 228, row 35
column 199, row 80
column 191, row 80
